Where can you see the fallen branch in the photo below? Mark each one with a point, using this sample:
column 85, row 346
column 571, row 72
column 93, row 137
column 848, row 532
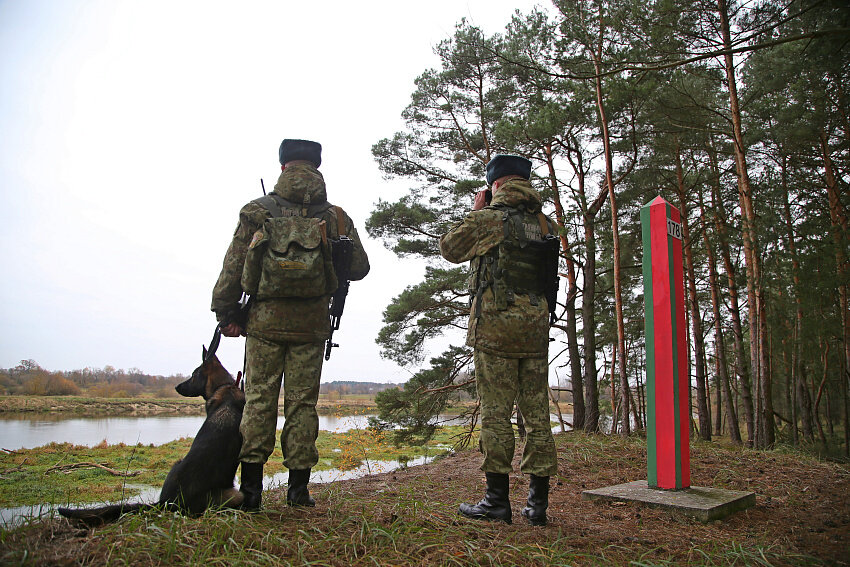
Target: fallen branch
column 18, row 468
column 86, row 465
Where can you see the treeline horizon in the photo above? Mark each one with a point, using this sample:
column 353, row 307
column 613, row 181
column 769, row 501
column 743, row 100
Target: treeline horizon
column 28, row 378
column 736, row 113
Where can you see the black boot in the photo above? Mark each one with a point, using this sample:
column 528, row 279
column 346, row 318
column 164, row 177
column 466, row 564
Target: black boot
column 298, row 495
column 252, row 486
column 495, row 504
column 538, row 500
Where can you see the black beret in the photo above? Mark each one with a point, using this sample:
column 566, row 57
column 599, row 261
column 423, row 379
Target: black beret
column 504, row 164
column 292, row 150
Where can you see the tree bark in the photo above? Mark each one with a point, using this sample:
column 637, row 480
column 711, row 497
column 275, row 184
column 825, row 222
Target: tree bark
column 801, row 393
column 612, row 196
column 719, row 343
column 845, row 383
column 825, row 347
column 588, row 317
column 759, row 352
column 839, row 222
column 741, row 366
column 572, row 291
column 615, row 415
column 696, row 321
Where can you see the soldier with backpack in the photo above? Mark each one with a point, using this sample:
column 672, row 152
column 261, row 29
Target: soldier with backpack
column 281, row 256
column 513, row 252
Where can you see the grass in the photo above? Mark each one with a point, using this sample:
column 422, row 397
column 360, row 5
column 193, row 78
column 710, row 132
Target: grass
column 408, row 517
column 97, row 407
column 419, row 532
column 27, row 478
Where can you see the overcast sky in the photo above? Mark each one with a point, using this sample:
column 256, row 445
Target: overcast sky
column 133, row 131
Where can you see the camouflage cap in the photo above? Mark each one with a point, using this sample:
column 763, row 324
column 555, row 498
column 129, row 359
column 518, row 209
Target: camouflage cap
column 293, row 150
column 505, row 164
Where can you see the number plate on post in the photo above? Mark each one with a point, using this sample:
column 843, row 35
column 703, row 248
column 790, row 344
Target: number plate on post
column 674, row 229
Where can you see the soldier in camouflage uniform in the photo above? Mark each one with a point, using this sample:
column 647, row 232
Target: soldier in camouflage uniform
column 508, row 329
column 285, row 336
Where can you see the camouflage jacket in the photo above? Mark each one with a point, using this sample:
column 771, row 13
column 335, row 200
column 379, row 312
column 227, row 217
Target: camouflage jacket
column 291, row 319
column 522, row 329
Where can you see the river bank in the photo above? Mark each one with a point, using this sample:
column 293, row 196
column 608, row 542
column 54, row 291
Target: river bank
column 67, row 473
column 408, row 517
column 86, row 406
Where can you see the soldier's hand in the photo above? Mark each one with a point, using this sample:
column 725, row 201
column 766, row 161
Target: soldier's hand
column 231, row 330
column 481, row 200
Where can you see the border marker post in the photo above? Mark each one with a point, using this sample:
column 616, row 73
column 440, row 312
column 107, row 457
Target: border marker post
column 667, row 391
column 667, row 385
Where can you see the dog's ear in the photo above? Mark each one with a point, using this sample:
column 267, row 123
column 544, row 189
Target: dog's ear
column 203, row 353
column 213, row 343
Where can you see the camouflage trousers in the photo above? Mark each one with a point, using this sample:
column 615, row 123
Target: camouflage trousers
column 501, row 382
column 300, row 366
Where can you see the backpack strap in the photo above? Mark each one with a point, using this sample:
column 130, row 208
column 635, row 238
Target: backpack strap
column 276, row 204
column 270, row 203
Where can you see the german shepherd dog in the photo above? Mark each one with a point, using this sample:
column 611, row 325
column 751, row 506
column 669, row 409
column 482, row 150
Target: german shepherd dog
column 204, row 477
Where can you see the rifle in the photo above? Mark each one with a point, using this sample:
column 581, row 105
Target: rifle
column 341, row 253
column 549, row 274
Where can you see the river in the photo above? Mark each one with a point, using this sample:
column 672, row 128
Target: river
column 26, row 431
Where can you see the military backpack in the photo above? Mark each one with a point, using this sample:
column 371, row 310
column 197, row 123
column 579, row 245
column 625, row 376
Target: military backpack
column 290, row 256
column 524, row 262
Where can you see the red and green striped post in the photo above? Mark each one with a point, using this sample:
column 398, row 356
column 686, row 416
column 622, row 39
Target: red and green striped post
column 668, row 458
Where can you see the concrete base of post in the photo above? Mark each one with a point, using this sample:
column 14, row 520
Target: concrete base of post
column 703, row 504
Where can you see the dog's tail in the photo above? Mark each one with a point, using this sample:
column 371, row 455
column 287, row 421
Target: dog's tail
column 104, row 514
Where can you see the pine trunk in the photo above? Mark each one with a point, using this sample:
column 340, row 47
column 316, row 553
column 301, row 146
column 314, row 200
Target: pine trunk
column 839, row 222
column 719, row 343
column 801, row 405
column 618, row 284
column 741, row 366
column 576, row 378
column 696, row 321
column 759, row 354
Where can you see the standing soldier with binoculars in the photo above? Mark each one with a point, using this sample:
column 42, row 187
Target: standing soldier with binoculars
column 513, row 252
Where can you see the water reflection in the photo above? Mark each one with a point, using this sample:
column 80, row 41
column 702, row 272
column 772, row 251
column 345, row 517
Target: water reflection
column 27, row 431
column 333, row 475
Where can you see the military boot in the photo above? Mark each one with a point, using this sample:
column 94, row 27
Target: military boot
column 538, row 500
column 252, row 486
column 298, row 495
column 495, row 504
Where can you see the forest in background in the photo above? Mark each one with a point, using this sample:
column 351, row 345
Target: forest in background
column 734, row 112
column 30, row 379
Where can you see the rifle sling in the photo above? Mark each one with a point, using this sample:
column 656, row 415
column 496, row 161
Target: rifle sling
column 340, row 221
column 544, row 226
